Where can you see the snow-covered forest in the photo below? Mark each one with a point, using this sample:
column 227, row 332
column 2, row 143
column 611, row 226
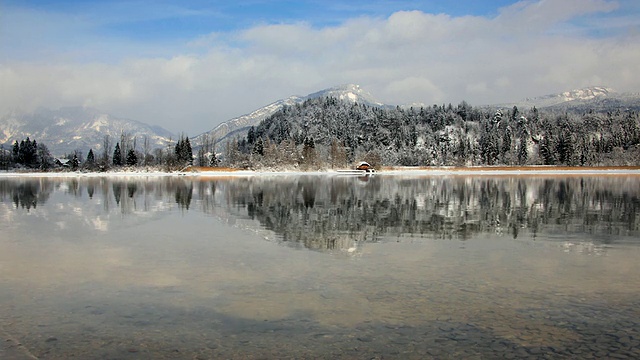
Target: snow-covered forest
column 326, row 132
column 331, row 133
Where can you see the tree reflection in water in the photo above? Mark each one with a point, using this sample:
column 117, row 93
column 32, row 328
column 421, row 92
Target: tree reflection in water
column 328, row 212
column 337, row 212
column 25, row 194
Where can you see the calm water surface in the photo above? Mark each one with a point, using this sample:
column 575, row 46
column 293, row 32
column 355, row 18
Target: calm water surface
column 321, row 267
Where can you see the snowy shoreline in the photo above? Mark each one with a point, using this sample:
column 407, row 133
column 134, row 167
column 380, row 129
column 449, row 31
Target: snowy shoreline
column 396, row 171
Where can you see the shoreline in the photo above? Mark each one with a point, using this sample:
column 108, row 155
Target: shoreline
column 385, row 171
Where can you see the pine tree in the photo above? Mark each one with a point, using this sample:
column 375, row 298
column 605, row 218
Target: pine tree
column 258, row 147
column 213, row 161
column 74, row 163
column 187, row 152
column 117, row 156
column 309, row 154
column 251, row 135
column 506, row 145
column 546, row 152
column 132, row 158
column 523, row 154
column 183, row 151
column 91, row 158
column 16, row 152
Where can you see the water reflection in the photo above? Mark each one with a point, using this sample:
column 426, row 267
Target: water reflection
column 330, row 212
column 158, row 280
column 333, row 212
column 25, row 194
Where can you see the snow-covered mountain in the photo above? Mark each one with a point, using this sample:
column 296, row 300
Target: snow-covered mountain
column 238, row 127
column 350, row 92
column 585, row 94
column 80, row 128
column 75, row 128
column 596, row 98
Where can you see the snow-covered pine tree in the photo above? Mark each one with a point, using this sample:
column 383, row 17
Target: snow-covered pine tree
column 132, row 158
column 117, row 155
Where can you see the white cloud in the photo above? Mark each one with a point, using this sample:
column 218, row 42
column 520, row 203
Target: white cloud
column 408, row 57
column 407, row 90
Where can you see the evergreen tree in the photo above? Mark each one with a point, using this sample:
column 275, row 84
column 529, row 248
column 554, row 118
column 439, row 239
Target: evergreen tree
column 183, row 151
column 258, row 147
column 546, row 151
column 213, row 161
column 515, row 113
column 117, row 155
column 74, row 163
column 4, row 158
column 91, row 158
column 523, row 154
column 506, row 145
column 309, row 154
column 251, row 135
column 188, row 152
column 564, row 149
column 16, row 152
column 26, row 153
column 132, row 158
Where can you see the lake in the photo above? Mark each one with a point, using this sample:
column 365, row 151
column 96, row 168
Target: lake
column 320, row 266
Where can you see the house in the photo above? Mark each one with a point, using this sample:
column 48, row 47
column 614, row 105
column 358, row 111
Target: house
column 363, row 165
column 62, row 163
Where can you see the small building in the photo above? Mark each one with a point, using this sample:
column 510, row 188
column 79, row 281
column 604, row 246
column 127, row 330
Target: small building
column 62, row 162
column 363, row 165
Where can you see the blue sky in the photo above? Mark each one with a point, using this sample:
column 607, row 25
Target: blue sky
column 189, row 65
column 176, row 22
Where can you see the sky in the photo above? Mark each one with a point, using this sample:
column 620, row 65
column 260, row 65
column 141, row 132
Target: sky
column 190, row 65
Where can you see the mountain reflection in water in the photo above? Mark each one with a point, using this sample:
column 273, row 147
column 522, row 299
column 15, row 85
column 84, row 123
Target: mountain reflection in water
column 337, row 212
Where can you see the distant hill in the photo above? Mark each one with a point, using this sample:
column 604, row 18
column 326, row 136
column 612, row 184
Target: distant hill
column 238, row 127
column 596, row 98
column 308, row 134
column 80, row 128
column 75, row 128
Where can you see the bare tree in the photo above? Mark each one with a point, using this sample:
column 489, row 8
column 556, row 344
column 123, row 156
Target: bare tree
column 145, row 149
column 106, row 148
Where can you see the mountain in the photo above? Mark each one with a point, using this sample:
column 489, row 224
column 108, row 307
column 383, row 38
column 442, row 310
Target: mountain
column 79, row 128
column 350, row 92
column 238, row 127
column 585, row 94
column 597, row 98
column 75, row 128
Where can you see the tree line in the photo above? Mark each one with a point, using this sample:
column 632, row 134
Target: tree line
column 26, row 153
column 331, row 133
column 32, row 155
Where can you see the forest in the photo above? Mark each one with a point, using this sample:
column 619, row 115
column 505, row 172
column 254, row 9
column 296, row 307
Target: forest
column 329, row 133
column 30, row 155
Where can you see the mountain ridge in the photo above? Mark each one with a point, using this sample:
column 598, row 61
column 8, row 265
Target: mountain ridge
column 68, row 129
column 239, row 126
column 596, row 96
column 80, row 128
